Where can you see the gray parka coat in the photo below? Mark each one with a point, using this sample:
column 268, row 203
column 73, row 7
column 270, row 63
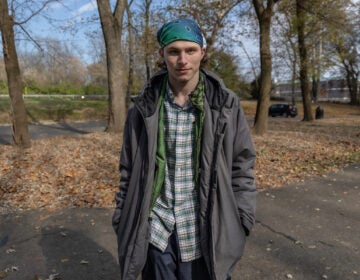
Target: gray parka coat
column 226, row 186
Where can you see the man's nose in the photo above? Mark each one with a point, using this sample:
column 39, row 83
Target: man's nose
column 182, row 58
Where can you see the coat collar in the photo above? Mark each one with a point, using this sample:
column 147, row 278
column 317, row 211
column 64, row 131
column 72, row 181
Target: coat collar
column 147, row 101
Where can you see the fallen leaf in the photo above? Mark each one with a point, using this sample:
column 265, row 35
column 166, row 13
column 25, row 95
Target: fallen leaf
column 3, row 275
column 10, row 251
column 54, row 276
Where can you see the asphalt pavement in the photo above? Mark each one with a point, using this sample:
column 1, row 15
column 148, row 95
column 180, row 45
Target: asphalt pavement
column 304, row 231
column 53, row 129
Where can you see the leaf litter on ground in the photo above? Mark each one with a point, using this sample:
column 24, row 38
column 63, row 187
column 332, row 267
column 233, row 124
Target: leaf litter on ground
column 82, row 171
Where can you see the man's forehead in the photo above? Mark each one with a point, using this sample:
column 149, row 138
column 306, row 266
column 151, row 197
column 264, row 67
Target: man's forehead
column 182, row 44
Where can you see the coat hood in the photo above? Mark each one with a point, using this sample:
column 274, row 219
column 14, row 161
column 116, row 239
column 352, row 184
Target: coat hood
column 148, row 99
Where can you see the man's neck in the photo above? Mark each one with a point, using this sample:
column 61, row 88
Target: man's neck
column 182, row 91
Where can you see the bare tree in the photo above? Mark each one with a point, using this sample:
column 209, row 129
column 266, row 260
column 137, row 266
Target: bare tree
column 112, row 27
column 130, row 27
column 19, row 119
column 97, row 73
column 253, row 67
column 264, row 15
column 2, row 71
column 147, row 34
column 53, row 65
column 97, row 70
column 8, row 19
column 304, row 82
column 347, row 49
column 346, row 43
column 210, row 15
column 325, row 27
column 285, row 43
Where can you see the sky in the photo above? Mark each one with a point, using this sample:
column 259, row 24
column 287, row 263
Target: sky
column 69, row 12
column 69, row 21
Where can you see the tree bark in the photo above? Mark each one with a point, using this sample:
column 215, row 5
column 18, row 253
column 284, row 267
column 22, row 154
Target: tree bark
column 348, row 56
column 264, row 18
column 315, row 88
column 304, row 82
column 19, row 118
column 130, row 83
column 293, row 83
column 352, row 82
column 147, row 39
column 111, row 24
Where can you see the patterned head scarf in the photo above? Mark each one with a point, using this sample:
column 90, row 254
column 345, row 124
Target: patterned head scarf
column 180, row 29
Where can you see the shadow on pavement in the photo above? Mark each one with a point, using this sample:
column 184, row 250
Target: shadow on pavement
column 72, row 244
column 72, row 255
column 4, row 141
column 62, row 126
column 43, row 130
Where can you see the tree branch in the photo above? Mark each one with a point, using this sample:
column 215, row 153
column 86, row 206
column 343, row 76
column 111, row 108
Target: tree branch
column 43, row 6
column 31, row 38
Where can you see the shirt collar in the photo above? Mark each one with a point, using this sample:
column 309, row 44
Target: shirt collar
column 170, row 97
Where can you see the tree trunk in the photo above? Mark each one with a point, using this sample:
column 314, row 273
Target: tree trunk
column 19, row 118
column 315, row 88
column 147, row 40
column 264, row 18
column 130, row 83
column 352, row 81
column 112, row 30
column 352, row 77
column 348, row 59
column 304, row 82
column 293, row 85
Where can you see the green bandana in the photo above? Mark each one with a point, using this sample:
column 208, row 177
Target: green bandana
column 180, row 29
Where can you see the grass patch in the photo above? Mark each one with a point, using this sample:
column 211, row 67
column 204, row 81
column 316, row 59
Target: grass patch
column 57, row 109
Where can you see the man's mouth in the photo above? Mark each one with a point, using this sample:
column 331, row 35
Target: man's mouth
column 182, row 70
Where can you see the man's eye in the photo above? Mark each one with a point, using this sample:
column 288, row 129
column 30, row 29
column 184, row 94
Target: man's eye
column 173, row 52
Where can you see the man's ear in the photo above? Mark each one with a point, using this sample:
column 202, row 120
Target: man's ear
column 203, row 51
column 161, row 52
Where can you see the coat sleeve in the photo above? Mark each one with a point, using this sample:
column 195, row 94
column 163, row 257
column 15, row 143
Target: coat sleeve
column 243, row 181
column 125, row 167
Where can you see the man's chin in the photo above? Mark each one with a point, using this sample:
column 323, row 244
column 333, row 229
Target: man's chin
column 182, row 79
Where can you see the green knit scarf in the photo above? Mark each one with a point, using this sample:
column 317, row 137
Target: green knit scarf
column 197, row 99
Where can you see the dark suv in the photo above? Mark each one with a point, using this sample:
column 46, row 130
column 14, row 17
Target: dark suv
column 283, row 110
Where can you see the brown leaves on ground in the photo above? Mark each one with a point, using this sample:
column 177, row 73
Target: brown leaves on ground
column 60, row 172
column 83, row 171
column 293, row 150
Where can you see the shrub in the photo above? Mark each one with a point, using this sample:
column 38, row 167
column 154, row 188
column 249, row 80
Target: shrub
column 95, row 89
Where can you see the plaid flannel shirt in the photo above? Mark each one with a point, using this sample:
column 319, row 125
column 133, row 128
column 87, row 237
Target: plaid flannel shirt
column 177, row 206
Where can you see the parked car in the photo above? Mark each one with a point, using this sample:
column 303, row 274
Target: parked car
column 285, row 110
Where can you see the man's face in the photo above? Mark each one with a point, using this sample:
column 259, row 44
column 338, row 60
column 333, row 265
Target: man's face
column 182, row 59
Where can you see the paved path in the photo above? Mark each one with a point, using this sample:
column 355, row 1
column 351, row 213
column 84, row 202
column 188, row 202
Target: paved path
column 305, row 231
column 46, row 130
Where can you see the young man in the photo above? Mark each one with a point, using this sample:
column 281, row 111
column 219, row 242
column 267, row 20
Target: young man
column 187, row 193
